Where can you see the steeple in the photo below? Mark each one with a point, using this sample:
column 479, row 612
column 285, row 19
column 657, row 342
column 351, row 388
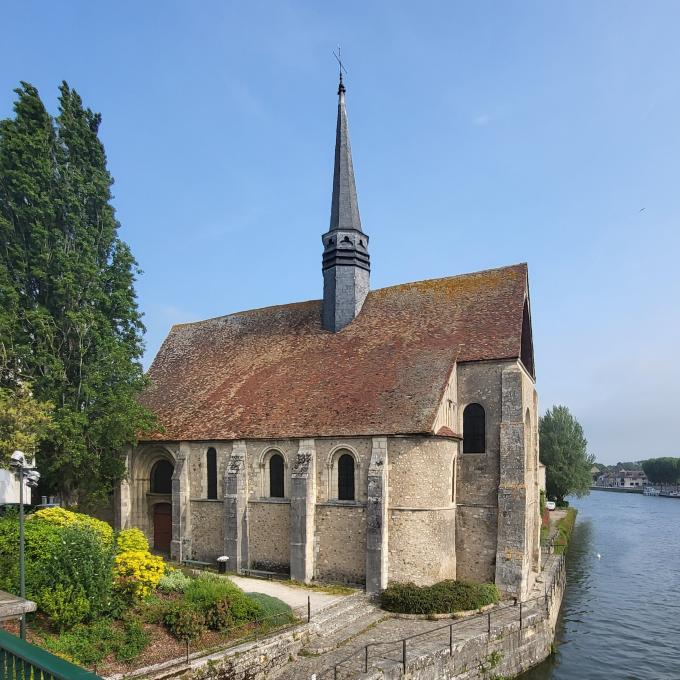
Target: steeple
column 344, row 206
column 346, row 263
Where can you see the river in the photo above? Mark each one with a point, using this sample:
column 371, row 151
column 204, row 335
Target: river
column 621, row 611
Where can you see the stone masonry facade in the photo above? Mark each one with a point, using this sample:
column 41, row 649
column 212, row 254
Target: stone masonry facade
column 423, row 510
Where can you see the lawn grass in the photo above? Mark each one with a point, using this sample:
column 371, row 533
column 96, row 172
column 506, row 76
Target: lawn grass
column 330, row 588
column 564, row 529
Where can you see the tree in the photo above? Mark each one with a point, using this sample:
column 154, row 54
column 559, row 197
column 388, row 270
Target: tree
column 70, row 323
column 24, row 422
column 662, row 470
column 563, row 450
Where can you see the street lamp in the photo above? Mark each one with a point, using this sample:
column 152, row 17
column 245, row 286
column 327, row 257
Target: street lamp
column 21, row 467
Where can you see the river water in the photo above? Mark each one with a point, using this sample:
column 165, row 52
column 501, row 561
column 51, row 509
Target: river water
column 621, row 611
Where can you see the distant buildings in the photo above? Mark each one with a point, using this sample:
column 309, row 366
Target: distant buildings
column 622, row 479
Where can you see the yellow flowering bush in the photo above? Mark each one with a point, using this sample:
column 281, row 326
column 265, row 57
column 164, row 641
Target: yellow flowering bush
column 61, row 517
column 131, row 539
column 137, row 573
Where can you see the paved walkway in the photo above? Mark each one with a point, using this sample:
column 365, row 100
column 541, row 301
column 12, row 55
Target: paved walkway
column 293, row 596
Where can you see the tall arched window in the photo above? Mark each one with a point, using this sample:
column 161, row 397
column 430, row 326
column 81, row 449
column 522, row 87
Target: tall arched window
column 474, row 429
column 346, row 477
column 161, row 477
column 211, row 465
column 276, row 489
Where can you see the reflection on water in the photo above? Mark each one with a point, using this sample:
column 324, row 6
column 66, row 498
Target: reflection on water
column 621, row 611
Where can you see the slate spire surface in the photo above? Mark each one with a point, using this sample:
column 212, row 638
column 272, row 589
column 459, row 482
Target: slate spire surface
column 346, row 264
column 344, row 205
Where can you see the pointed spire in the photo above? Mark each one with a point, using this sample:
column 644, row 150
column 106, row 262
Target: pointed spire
column 344, row 206
column 346, row 264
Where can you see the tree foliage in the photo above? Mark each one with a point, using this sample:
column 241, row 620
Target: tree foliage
column 69, row 321
column 662, row 470
column 564, row 452
column 24, row 422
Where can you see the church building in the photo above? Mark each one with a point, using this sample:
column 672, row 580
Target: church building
column 372, row 436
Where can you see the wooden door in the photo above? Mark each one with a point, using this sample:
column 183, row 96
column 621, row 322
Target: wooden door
column 162, row 526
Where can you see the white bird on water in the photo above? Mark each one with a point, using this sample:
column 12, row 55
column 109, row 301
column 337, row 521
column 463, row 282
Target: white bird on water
column 598, row 556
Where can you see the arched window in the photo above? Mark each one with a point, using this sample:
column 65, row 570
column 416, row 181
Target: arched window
column 276, row 489
column 346, row 477
column 161, row 477
column 211, row 465
column 474, row 429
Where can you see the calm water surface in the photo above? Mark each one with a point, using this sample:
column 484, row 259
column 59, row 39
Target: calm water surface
column 621, row 612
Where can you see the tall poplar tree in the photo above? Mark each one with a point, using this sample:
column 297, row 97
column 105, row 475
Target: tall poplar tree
column 70, row 323
column 564, row 452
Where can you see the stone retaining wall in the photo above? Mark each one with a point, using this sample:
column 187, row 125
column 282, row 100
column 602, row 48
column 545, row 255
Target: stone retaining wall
column 506, row 653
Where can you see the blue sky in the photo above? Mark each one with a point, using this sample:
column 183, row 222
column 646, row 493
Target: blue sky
column 483, row 134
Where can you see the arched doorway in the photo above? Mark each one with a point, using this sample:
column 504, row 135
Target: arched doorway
column 162, row 527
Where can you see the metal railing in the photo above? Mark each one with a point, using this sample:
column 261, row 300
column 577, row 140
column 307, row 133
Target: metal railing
column 20, row 660
column 526, row 612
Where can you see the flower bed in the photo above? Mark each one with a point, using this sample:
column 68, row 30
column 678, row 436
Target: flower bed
column 105, row 602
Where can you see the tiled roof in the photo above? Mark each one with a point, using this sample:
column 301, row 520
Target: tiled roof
column 275, row 372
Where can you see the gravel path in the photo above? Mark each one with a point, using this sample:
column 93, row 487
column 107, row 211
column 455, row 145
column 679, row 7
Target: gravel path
column 291, row 595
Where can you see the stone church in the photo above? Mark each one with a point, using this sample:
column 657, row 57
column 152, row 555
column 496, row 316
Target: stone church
column 372, row 436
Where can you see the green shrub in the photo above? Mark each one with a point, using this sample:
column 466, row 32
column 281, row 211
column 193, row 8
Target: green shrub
column 61, row 518
column 131, row 539
column 272, row 611
column 184, row 621
column 84, row 560
column 207, row 590
column 135, row 641
column 153, row 609
column 88, row 645
column 60, row 558
column 218, row 616
column 174, row 581
column 64, row 605
column 42, row 542
column 441, row 598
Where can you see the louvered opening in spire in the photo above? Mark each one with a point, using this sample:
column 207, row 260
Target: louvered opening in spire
column 344, row 206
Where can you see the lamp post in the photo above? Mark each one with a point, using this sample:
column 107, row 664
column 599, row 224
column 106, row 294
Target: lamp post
column 23, row 469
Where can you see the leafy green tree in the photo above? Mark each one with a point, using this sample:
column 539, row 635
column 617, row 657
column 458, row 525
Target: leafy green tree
column 24, row 422
column 564, row 452
column 662, row 470
column 69, row 322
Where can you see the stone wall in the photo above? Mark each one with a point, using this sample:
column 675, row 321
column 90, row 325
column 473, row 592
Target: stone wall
column 207, row 520
column 269, row 535
column 198, row 474
column 340, row 542
column 505, row 653
column 326, row 456
column 422, row 512
column 479, row 473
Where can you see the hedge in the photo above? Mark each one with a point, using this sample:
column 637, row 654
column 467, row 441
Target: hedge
column 441, row 598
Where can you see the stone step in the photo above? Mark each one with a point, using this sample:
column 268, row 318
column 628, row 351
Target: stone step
column 351, row 628
column 336, row 615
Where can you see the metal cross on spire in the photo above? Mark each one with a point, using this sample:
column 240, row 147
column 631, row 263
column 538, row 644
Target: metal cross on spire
column 338, row 58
